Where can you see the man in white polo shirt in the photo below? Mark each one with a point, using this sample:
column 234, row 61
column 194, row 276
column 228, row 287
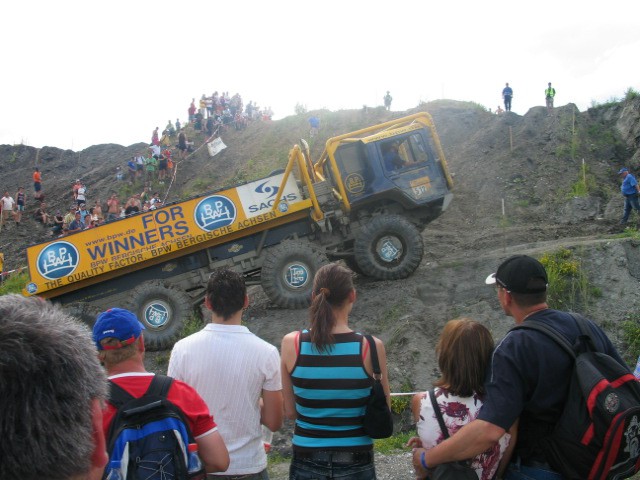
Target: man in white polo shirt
column 236, row 373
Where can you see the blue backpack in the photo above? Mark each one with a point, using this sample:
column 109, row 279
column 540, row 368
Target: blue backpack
column 149, row 436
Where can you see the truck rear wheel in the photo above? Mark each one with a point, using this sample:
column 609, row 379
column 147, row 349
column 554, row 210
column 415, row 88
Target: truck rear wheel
column 288, row 271
column 163, row 311
column 389, row 247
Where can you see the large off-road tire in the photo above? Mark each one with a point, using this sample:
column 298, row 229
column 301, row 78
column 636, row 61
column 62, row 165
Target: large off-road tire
column 163, row 311
column 353, row 265
column 288, row 271
column 389, row 247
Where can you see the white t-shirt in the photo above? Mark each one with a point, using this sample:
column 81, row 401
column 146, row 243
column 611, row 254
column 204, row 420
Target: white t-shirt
column 7, row 203
column 229, row 367
column 81, row 194
column 457, row 412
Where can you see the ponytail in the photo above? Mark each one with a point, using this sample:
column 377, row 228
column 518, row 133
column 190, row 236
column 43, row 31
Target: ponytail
column 331, row 288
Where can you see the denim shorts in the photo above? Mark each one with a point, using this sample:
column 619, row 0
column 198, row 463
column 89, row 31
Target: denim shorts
column 324, row 468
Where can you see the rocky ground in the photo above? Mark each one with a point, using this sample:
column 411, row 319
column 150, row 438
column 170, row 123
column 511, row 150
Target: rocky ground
column 515, row 192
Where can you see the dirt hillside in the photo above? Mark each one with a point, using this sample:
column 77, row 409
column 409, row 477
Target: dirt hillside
column 527, row 165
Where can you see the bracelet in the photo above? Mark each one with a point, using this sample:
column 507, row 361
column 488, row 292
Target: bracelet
column 423, row 461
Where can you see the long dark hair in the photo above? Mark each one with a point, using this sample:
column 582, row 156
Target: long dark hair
column 331, row 288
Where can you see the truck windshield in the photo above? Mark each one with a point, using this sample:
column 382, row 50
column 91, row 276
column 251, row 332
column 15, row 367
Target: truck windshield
column 409, row 151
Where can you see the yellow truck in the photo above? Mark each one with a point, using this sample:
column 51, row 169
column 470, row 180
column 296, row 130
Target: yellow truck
column 365, row 201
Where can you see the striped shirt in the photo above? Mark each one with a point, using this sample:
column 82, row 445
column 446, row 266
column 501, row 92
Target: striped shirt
column 331, row 390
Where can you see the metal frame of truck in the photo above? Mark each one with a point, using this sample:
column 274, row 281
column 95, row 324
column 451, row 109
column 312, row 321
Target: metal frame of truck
column 347, row 205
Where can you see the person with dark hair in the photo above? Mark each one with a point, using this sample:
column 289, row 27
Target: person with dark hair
column 327, row 379
column 118, row 335
column 37, row 180
column 528, row 380
column 464, row 354
column 507, row 95
column 237, row 374
column 182, row 144
column 52, row 393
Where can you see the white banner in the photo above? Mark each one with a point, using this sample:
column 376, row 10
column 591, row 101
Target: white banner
column 215, row 146
column 258, row 197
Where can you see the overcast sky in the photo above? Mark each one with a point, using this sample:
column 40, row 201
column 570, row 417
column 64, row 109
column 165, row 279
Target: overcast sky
column 79, row 73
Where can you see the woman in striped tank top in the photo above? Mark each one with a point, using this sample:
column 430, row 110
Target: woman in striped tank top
column 327, row 379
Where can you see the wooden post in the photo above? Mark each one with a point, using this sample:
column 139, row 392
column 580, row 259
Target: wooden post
column 510, row 142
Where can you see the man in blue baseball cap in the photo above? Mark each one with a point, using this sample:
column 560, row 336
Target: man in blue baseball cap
column 630, row 190
column 118, row 335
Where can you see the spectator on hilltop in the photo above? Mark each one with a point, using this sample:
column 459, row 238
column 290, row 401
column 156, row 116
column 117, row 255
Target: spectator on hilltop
column 70, row 216
column 314, row 125
column 192, row 110
column 58, row 223
column 170, row 129
column 139, row 165
column 21, row 201
column 41, row 215
column 84, row 213
column 145, row 196
column 37, row 180
column 81, row 194
column 507, row 95
column 387, row 101
column 7, row 204
column 113, row 208
column 178, row 125
column 182, row 145
column 77, row 225
column 74, row 189
column 155, row 140
column 133, row 205
column 151, row 165
column 132, row 169
column 97, row 211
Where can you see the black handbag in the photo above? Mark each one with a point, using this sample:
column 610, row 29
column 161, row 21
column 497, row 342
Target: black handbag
column 453, row 470
column 377, row 422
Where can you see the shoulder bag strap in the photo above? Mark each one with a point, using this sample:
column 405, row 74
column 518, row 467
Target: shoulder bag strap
column 374, row 355
column 436, row 410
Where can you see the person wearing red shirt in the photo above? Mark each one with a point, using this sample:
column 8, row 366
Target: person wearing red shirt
column 117, row 334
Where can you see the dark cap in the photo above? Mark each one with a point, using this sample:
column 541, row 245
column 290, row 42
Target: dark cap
column 520, row 274
column 622, row 170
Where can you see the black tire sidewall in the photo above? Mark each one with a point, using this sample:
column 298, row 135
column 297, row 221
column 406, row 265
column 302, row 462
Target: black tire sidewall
column 369, row 260
column 179, row 309
column 275, row 267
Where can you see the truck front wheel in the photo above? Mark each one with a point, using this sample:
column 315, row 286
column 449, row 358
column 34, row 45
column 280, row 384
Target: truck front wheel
column 288, row 271
column 163, row 311
column 389, row 247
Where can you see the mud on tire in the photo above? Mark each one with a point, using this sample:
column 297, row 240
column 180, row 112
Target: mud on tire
column 163, row 311
column 288, row 271
column 389, row 247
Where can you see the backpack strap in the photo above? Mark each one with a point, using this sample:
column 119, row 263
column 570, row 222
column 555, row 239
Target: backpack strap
column 550, row 332
column 585, row 329
column 436, row 410
column 160, row 386
column 374, row 356
column 118, row 396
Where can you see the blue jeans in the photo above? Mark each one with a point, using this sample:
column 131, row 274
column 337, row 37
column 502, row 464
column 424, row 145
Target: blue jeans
column 630, row 201
column 263, row 475
column 520, row 472
column 314, row 470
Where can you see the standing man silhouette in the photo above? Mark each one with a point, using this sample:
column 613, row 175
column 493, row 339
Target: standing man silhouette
column 549, row 93
column 507, row 94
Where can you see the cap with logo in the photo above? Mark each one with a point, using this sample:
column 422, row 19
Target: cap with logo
column 117, row 323
column 520, row 274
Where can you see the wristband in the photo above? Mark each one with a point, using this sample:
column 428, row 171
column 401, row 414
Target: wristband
column 423, row 461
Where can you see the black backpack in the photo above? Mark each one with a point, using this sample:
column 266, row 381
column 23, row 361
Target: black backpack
column 598, row 434
column 149, row 435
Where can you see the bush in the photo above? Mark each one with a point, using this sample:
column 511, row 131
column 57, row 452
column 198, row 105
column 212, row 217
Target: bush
column 14, row 283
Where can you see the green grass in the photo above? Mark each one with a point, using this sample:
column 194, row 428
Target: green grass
column 569, row 287
column 14, row 283
column 394, row 443
column 631, row 338
column 192, row 325
column 628, row 232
